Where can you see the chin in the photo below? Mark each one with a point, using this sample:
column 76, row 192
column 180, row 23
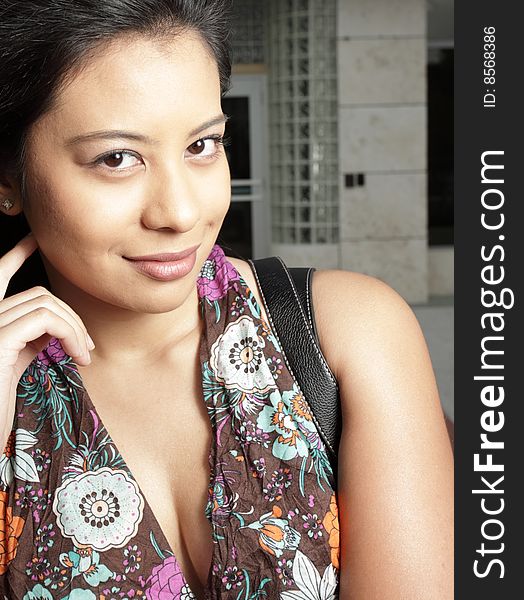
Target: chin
column 146, row 299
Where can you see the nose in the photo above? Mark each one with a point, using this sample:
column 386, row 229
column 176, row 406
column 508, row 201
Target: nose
column 172, row 202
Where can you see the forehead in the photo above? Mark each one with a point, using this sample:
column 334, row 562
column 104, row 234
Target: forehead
column 138, row 82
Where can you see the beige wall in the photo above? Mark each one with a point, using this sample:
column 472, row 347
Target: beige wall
column 382, row 134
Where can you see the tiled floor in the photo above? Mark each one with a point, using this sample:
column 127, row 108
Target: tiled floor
column 436, row 320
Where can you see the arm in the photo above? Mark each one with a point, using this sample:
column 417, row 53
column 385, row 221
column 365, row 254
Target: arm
column 395, row 459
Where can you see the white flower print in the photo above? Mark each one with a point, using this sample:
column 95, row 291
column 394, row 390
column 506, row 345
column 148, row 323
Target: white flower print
column 311, row 585
column 187, row 594
column 101, row 508
column 238, row 360
column 15, row 461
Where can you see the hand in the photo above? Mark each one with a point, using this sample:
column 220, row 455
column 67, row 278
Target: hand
column 28, row 321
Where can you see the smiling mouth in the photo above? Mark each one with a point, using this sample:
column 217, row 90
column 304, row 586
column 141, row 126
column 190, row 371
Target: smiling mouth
column 166, row 266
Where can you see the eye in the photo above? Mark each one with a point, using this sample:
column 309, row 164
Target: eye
column 115, row 160
column 206, row 147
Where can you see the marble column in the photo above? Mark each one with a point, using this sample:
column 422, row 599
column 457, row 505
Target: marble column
column 381, row 47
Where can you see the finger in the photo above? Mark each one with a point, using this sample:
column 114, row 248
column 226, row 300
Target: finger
column 45, row 295
column 49, row 303
column 14, row 259
column 30, row 327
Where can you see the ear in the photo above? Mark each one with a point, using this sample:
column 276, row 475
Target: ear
column 10, row 197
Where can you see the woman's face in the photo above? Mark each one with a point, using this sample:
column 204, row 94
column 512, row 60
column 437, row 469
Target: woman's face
column 155, row 181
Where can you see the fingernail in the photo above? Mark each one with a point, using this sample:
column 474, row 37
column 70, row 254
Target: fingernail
column 90, row 343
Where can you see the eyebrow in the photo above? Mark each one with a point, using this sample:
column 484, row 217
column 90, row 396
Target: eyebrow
column 109, row 134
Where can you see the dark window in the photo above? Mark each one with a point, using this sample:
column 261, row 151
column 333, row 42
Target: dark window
column 440, row 146
column 236, row 235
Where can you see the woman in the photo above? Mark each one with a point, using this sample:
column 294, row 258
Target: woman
column 155, row 442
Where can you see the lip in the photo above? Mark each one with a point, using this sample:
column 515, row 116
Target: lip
column 166, row 266
column 165, row 256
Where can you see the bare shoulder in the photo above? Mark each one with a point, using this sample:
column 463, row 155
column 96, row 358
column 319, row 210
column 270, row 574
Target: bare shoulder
column 242, row 266
column 354, row 311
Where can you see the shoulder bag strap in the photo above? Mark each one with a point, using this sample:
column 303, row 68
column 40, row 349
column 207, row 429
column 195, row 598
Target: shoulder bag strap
column 287, row 299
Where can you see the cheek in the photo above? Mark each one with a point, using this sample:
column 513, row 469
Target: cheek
column 43, row 211
column 61, row 223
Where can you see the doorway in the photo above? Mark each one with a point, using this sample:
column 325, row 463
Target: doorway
column 246, row 230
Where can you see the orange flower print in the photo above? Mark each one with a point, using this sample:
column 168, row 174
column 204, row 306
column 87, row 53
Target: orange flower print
column 275, row 533
column 10, row 445
column 279, row 417
column 332, row 528
column 300, row 407
column 265, row 330
column 283, row 421
column 10, row 531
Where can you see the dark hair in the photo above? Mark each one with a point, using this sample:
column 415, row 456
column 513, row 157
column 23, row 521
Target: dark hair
column 44, row 42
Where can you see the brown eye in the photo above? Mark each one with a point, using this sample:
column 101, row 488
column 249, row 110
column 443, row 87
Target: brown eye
column 198, row 147
column 114, row 160
column 205, row 149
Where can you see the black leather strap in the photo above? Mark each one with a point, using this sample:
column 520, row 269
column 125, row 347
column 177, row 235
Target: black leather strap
column 287, row 299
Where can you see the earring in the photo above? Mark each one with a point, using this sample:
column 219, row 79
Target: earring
column 7, row 204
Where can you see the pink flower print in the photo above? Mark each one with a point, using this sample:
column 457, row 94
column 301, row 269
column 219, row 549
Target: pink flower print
column 44, row 538
column 232, row 577
column 238, row 306
column 285, row 571
column 314, row 440
column 280, row 480
column 38, row 568
column 36, row 500
column 116, row 593
column 272, row 493
column 57, row 578
column 313, row 525
column 41, row 458
column 293, row 513
column 166, row 581
column 23, row 496
column 52, row 354
column 249, row 433
column 40, row 501
column 275, row 366
column 132, row 558
column 215, row 275
column 260, row 467
column 282, row 477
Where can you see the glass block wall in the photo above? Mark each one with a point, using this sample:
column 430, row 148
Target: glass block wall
column 248, row 31
column 303, row 121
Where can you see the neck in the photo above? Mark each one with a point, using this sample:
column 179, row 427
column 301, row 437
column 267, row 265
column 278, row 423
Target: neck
column 126, row 336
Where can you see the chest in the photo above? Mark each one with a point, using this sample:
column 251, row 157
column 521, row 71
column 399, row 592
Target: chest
column 162, row 430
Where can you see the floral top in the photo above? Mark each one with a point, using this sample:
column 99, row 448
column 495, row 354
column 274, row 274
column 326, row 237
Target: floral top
column 75, row 525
